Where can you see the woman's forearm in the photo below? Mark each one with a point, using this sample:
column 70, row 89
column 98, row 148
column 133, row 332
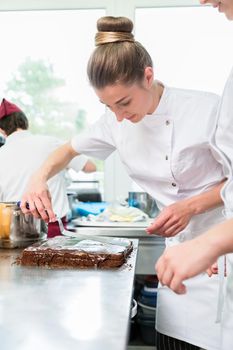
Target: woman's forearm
column 219, row 238
column 57, row 161
column 206, row 200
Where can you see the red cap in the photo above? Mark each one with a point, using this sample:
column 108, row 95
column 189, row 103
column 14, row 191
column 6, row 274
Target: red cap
column 6, row 108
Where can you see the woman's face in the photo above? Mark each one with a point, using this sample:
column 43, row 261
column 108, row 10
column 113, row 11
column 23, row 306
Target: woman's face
column 131, row 102
column 225, row 6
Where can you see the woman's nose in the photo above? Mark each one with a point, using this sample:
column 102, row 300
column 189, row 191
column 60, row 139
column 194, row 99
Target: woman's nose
column 119, row 116
column 118, row 113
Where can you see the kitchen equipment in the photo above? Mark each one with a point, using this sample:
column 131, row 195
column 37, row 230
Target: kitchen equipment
column 86, row 190
column 143, row 201
column 72, row 198
column 134, row 308
column 133, row 324
column 146, row 315
column 18, row 230
column 107, row 240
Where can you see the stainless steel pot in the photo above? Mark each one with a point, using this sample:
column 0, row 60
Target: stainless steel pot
column 143, row 201
column 18, row 230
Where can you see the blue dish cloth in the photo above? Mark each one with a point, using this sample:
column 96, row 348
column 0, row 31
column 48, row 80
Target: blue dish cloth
column 86, row 208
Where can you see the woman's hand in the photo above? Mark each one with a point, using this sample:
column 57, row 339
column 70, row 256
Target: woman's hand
column 37, row 201
column 37, row 198
column 190, row 258
column 172, row 219
column 176, row 217
column 184, row 261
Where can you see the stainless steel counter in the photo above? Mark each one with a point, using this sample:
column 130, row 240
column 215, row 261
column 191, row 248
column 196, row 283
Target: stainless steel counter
column 64, row 309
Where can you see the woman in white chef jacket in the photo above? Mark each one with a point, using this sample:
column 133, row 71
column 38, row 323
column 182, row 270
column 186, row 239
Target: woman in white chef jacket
column 200, row 253
column 162, row 136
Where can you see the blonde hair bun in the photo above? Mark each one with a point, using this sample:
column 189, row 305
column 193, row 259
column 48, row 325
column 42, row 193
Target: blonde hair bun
column 113, row 29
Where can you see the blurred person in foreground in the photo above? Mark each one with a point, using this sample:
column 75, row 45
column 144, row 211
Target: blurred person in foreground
column 189, row 259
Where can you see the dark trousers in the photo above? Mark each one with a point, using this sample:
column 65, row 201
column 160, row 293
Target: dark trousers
column 165, row 342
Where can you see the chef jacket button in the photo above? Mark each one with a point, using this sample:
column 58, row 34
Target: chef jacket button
column 166, row 157
column 174, row 184
column 167, row 122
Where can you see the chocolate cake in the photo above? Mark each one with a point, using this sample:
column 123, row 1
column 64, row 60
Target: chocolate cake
column 70, row 252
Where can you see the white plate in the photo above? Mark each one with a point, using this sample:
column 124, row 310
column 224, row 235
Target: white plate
column 143, row 224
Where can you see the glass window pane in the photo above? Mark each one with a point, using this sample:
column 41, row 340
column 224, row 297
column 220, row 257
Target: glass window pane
column 191, row 47
column 44, row 55
column 43, row 67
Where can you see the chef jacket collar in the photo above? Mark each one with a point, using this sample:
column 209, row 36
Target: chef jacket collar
column 17, row 135
column 162, row 108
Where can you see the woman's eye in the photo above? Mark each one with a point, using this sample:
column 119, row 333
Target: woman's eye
column 125, row 103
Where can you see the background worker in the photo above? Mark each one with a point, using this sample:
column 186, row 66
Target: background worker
column 24, row 152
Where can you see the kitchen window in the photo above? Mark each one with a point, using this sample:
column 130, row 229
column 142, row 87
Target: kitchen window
column 43, row 70
column 190, row 46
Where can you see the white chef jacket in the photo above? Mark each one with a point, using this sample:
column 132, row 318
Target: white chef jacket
column 227, row 313
column 224, row 141
column 22, row 154
column 224, row 133
column 168, row 154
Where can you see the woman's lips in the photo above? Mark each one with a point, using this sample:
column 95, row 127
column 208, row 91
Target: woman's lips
column 131, row 117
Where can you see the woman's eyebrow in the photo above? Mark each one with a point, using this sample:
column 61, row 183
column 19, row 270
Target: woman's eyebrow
column 121, row 99
column 118, row 101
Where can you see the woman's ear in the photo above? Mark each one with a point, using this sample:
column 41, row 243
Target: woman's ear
column 149, row 76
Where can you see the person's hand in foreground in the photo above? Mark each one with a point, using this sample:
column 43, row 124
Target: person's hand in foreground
column 190, row 258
